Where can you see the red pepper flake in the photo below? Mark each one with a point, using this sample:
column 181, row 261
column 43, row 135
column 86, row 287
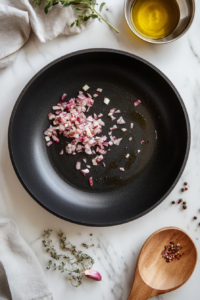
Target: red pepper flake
column 171, row 252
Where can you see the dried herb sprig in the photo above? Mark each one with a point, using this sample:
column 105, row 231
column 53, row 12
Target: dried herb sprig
column 84, row 16
column 79, row 261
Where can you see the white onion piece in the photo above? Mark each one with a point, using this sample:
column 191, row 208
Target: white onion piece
column 47, row 138
column 85, row 87
column 120, row 121
column 106, row 101
column 127, row 155
column 99, row 90
column 78, row 165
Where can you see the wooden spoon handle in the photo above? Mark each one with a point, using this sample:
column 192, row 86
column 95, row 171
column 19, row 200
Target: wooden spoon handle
column 141, row 291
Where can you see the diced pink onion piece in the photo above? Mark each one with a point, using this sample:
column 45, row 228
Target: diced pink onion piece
column 63, row 96
column 130, row 139
column 85, row 172
column 131, row 125
column 127, row 155
column 95, row 95
column 123, row 129
column 88, row 166
column 142, row 142
column 85, row 160
column 136, row 103
column 49, row 143
column 139, row 151
column 91, row 184
column 100, row 115
column 122, row 169
column 117, row 111
column 99, row 90
column 61, row 152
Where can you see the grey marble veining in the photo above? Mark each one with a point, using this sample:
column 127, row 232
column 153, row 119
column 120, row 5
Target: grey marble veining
column 116, row 248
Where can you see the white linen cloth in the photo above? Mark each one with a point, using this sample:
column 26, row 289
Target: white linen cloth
column 21, row 276
column 19, row 17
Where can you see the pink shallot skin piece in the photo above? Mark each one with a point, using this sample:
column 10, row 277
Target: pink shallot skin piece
column 92, row 274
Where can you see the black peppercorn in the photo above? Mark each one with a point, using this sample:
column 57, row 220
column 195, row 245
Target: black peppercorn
column 184, row 207
column 184, row 203
column 182, row 190
column 173, row 202
column 185, row 183
column 195, row 218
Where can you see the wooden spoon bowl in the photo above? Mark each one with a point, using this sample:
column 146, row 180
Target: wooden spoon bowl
column 153, row 275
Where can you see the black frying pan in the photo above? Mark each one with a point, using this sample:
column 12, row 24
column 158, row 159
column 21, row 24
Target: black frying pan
column 116, row 197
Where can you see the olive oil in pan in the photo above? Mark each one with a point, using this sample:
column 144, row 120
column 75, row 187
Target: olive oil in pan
column 155, row 19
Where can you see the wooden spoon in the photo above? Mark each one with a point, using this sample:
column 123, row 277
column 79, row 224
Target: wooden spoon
column 153, row 275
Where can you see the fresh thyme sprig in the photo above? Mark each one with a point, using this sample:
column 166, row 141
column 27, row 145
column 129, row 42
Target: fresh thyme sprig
column 85, row 16
column 78, row 260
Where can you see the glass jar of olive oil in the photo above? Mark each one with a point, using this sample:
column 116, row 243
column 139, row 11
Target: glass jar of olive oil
column 155, row 19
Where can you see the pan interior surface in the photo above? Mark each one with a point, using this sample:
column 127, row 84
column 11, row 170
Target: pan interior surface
column 155, row 166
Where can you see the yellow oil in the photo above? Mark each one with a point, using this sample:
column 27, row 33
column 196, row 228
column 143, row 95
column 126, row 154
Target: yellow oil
column 155, row 19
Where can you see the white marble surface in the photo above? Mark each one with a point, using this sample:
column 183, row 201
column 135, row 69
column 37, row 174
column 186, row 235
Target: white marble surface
column 116, row 248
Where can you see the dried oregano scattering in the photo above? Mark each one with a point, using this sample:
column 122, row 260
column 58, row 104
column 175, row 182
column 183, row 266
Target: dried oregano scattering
column 76, row 263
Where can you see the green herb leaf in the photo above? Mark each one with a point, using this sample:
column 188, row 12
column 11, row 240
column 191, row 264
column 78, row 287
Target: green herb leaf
column 101, row 6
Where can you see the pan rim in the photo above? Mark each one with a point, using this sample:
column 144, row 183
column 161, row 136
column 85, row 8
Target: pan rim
column 96, row 50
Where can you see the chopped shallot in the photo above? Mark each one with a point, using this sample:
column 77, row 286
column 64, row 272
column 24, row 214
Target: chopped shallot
column 127, row 155
column 85, row 87
column 49, row 143
column 103, row 163
column 85, row 172
column 130, row 139
column 91, row 181
column 138, row 151
column 106, row 101
column 123, row 129
column 78, row 165
column 142, row 142
column 121, row 121
column 131, row 125
column 122, row 169
column 95, row 95
column 136, row 103
column 88, row 166
column 100, row 115
column 85, row 160
column 99, row 90
column 117, row 111
column 61, row 152
column 63, row 96
column 47, row 138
